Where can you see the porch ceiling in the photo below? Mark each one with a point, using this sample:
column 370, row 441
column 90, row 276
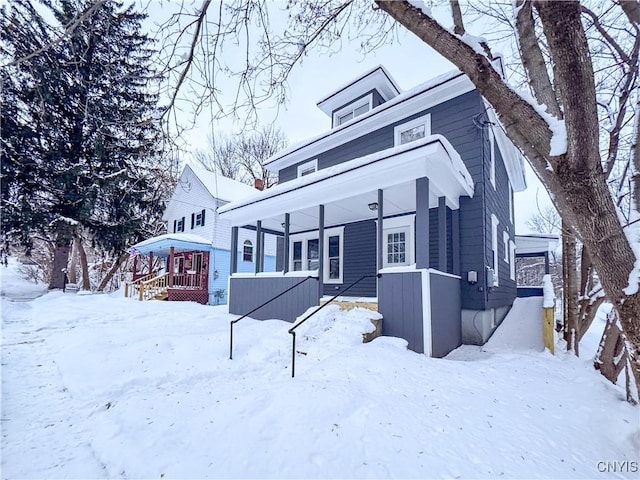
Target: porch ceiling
column 347, row 189
column 181, row 242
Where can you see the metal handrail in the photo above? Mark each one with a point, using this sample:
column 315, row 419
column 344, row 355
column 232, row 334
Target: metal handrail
column 233, row 322
column 292, row 329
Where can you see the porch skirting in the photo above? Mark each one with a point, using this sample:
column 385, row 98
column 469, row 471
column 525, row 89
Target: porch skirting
column 188, row 295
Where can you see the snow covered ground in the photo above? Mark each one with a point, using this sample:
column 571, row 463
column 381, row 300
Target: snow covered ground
column 98, row 386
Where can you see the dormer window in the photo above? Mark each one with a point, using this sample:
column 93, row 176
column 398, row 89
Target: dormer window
column 353, row 110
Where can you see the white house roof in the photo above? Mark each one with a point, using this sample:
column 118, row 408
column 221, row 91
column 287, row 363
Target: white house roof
column 536, row 244
column 377, row 78
column 221, row 187
column 349, row 187
column 181, row 242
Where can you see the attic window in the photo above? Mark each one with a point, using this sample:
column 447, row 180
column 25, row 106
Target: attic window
column 353, row 110
column 413, row 130
column 308, row 168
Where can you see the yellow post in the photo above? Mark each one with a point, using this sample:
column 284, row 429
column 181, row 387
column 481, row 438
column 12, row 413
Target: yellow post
column 141, row 290
column 547, row 328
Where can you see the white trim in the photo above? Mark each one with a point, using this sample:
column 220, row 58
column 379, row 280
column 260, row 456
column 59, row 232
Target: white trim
column 426, row 312
column 505, row 240
column 306, row 166
column 511, row 211
column 366, row 100
column 390, row 225
column 416, row 122
column 512, row 255
column 494, row 246
column 492, row 159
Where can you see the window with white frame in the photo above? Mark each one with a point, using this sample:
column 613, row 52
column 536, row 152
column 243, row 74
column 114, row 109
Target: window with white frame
column 412, row 130
column 512, row 255
column 305, row 254
column 505, row 240
column 353, row 110
column 494, row 247
column 492, row 159
column 308, row 168
column 398, row 241
column 200, row 219
column 247, row 251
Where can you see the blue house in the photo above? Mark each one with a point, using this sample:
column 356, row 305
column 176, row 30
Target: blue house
column 405, row 203
column 195, row 251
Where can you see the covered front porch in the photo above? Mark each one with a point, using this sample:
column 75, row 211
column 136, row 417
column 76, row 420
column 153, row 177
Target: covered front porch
column 182, row 276
column 383, row 228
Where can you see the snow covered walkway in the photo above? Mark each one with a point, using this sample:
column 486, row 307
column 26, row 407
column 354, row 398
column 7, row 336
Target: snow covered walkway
column 99, row 386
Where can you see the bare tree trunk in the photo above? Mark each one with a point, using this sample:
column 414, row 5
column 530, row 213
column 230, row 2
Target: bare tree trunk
column 570, row 283
column 114, row 268
column 73, row 264
column 86, row 281
column 62, row 242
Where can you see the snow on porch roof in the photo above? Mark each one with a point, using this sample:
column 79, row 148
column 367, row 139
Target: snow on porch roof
column 536, row 244
column 181, row 242
column 431, row 157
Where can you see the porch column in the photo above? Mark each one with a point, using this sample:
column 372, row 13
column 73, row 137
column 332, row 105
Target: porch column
column 546, row 263
column 380, row 230
column 234, row 251
column 455, row 234
column 442, row 234
column 258, row 245
column 171, row 249
column 150, row 262
column 135, row 266
column 321, row 250
column 422, row 223
column 285, row 249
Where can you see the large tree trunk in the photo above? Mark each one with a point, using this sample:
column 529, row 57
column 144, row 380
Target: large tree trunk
column 72, row 273
column 570, row 285
column 575, row 179
column 62, row 242
column 114, row 268
column 86, row 281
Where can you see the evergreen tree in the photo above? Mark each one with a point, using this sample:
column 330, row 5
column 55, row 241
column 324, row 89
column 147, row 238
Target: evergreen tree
column 80, row 126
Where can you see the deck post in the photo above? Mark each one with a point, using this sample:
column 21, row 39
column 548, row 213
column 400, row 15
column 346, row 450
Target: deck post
column 285, row 250
column 442, row 234
column 546, row 266
column 258, row 245
column 422, row 223
column 380, row 229
column 455, row 244
column 233, row 261
column 135, row 267
column 171, row 252
column 150, row 262
column 320, row 250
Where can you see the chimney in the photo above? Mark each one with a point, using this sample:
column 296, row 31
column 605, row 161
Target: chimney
column 259, row 183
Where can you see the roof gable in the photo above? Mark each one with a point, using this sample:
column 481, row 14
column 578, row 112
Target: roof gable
column 222, row 188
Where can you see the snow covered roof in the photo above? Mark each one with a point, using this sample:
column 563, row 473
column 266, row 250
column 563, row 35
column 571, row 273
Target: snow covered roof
column 426, row 95
column 536, row 243
column 342, row 185
column 221, row 187
column 161, row 244
column 377, row 78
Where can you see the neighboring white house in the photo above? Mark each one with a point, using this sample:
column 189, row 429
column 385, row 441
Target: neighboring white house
column 198, row 242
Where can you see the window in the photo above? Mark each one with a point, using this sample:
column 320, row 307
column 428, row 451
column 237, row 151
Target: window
column 353, row 110
column 494, row 247
column 178, row 225
column 505, row 240
column 307, row 168
column 247, row 251
column 398, row 244
column 413, row 130
column 492, row 159
column 200, row 219
column 305, row 253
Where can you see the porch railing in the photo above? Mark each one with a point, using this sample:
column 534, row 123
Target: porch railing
column 233, row 322
column 132, row 288
column 153, row 287
column 292, row 330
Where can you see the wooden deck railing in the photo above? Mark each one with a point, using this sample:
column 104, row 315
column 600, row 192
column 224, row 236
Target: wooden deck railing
column 132, row 288
column 153, row 287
